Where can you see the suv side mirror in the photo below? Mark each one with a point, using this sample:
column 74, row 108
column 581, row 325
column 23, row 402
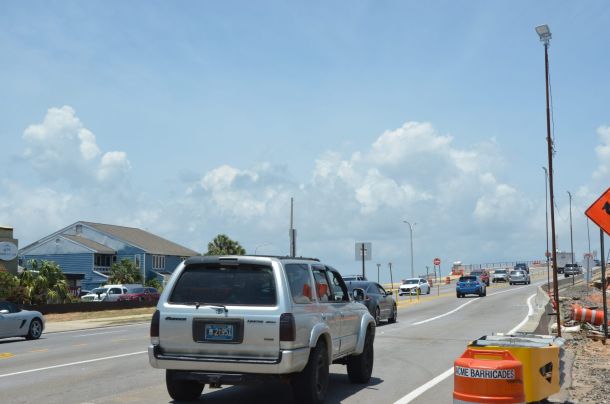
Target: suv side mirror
column 358, row 294
column 388, row 293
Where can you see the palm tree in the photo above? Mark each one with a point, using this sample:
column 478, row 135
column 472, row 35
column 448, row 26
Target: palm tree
column 223, row 245
column 44, row 283
column 124, row 272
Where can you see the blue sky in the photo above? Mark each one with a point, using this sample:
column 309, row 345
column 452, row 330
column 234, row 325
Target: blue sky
column 191, row 119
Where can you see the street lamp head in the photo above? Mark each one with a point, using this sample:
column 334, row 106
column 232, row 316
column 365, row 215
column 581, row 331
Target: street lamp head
column 544, row 33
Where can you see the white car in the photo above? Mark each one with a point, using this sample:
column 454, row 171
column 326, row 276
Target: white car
column 107, row 293
column 413, row 285
column 15, row 322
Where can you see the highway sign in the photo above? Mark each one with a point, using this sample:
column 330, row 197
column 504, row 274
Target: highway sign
column 437, row 261
column 599, row 211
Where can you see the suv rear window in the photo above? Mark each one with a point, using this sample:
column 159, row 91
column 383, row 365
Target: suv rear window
column 467, row 278
column 252, row 285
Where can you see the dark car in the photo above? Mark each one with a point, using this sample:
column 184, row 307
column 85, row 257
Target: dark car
column 470, row 285
column 522, row 266
column 145, row 294
column 483, row 274
column 348, row 278
column 381, row 303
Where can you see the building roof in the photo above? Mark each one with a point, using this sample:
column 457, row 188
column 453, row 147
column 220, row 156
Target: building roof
column 149, row 242
column 97, row 247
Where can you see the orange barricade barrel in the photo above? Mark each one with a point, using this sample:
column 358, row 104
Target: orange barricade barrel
column 488, row 376
column 595, row 317
column 447, row 280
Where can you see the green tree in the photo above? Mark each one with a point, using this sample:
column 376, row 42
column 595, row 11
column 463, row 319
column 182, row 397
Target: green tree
column 9, row 287
column 124, row 272
column 44, row 283
column 154, row 283
column 223, row 245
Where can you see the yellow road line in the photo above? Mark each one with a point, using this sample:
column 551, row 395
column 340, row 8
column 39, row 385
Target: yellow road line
column 39, row 350
column 4, row 355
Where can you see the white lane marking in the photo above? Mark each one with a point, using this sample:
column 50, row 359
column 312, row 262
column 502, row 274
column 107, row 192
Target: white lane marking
column 72, row 364
column 530, row 311
column 461, row 306
column 49, row 333
column 428, row 385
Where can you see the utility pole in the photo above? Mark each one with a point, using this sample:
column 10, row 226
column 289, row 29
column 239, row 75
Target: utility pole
column 571, row 240
column 293, row 231
column 545, row 36
column 411, row 232
column 378, row 265
column 546, row 217
column 391, row 277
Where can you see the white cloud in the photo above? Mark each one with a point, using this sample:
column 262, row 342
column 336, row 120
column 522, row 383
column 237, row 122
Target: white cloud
column 603, row 153
column 62, row 149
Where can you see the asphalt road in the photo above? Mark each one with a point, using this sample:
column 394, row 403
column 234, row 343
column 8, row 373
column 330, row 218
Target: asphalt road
column 110, row 365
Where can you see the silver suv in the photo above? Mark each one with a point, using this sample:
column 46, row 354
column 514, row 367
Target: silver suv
column 245, row 319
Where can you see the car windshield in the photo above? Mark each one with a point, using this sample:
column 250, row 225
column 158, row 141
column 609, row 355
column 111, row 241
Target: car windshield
column 99, row 290
column 500, row 271
column 467, row 278
column 227, row 285
column 410, row 281
column 517, row 273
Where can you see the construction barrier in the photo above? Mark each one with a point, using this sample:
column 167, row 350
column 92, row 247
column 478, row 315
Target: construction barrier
column 595, row 317
column 447, row 280
column 488, row 376
column 539, row 355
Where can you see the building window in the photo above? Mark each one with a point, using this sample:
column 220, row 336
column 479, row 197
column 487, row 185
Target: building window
column 103, row 260
column 158, row 261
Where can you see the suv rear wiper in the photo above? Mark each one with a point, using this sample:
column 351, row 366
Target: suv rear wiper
column 220, row 308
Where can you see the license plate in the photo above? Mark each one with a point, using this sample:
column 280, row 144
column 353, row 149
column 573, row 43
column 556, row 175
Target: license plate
column 219, row 332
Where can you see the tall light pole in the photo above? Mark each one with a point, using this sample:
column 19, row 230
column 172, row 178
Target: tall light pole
column 546, row 217
column 571, row 240
column 544, row 33
column 391, row 277
column 378, row 265
column 411, row 231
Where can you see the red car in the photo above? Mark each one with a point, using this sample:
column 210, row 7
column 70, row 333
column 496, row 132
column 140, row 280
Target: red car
column 483, row 274
column 144, row 294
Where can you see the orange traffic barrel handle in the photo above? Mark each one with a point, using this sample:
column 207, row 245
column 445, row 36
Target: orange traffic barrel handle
column 490, row 354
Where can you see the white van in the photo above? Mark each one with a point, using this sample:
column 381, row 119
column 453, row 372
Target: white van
column 109, row 293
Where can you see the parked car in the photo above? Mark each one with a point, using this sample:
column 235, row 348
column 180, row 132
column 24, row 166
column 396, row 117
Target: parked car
column 470, row 285
column 414, row 286
column 499, row 275
column 248, row 319
column 481, row 273
column 108, row 293
column 571, row 270
column 144, row 294
column 380, row 302
column 522, row 266
column 519, row 276
column 15, row 322
column 348, row 278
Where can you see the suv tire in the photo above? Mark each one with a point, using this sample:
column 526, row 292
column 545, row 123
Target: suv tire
column 377, row 316
column 360, row 367
column 182, row 390
column 311, row 384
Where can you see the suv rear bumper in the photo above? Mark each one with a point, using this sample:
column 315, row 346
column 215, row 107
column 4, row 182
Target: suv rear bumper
column 289, row 361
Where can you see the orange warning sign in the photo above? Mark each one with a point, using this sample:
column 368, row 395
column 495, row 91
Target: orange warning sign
column 599, row 212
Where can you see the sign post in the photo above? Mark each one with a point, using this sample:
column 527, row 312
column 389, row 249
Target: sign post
column 599, row 213
column 364, row 252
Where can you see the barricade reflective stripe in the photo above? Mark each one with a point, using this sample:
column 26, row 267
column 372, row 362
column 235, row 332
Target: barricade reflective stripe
column 504, row 374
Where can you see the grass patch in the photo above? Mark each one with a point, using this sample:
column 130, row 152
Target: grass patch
column 99, row 314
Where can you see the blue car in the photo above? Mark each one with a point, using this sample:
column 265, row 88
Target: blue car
column 470, row 285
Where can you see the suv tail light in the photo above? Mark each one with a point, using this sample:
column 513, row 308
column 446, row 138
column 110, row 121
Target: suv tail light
column 154, row 328
column 287, row 327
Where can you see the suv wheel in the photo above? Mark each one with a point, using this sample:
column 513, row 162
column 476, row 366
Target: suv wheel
column 377, row 316
column 394, row 315
column 182, row 390
column 311, row 384
column 360, row 367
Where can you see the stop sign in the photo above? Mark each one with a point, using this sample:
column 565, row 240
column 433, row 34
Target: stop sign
column 437, row 261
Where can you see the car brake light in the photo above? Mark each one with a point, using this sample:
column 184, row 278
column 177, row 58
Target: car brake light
column 287, row 327
column 154, row 325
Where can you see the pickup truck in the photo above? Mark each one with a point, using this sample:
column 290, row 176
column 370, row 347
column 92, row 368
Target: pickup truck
column 227, row 320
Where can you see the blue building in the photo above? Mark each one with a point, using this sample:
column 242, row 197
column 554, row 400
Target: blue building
column 85, row 251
